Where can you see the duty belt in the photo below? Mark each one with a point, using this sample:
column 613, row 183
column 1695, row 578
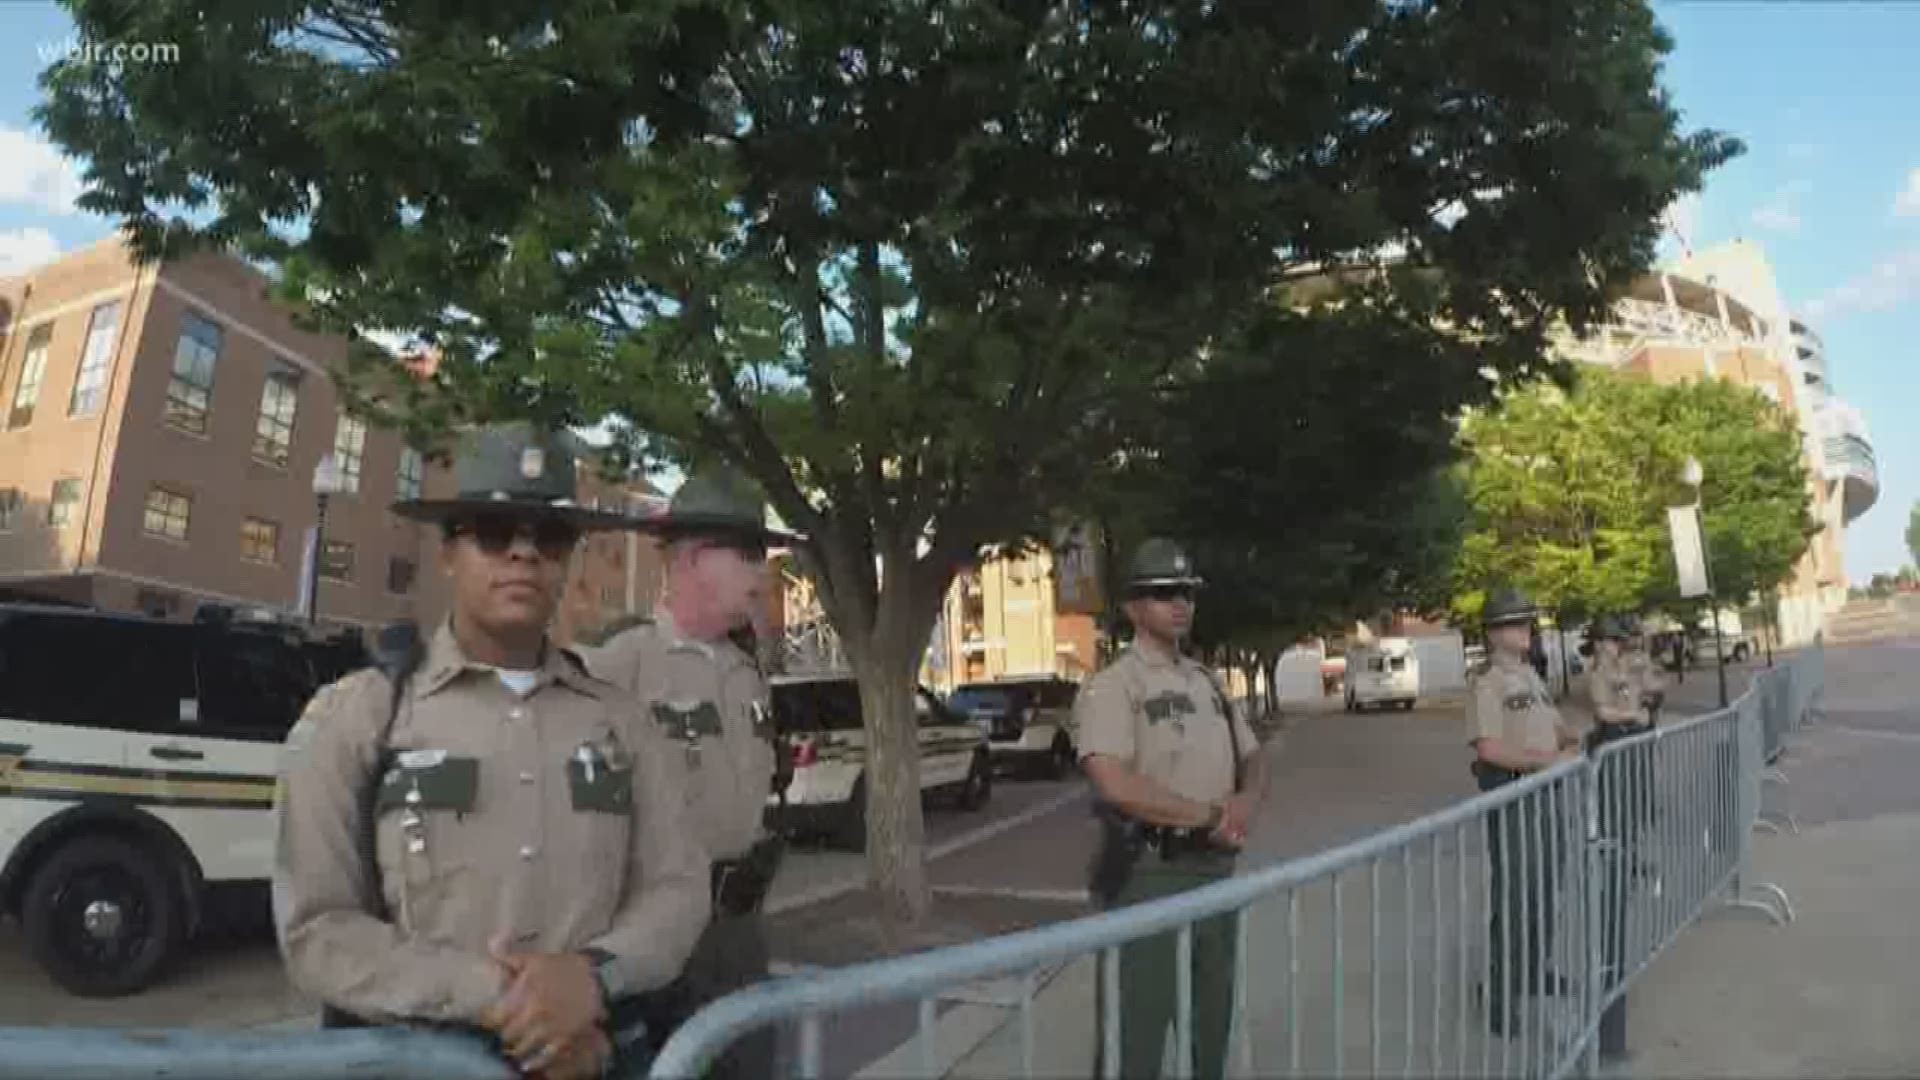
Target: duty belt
column 1176, row 843
column 740, row 885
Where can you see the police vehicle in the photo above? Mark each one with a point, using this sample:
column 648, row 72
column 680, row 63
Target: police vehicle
column 1027, row 719
column 137, row 768
column 818, row 722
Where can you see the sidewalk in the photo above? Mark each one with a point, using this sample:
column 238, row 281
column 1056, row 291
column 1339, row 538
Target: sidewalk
column 1830, row 995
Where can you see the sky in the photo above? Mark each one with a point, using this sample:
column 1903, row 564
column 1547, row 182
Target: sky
column 1821, row 92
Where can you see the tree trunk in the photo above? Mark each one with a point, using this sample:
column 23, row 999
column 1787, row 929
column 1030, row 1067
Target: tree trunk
column 896, row 828
column 886, row 666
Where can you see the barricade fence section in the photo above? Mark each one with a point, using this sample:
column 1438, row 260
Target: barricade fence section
column 1484, row 939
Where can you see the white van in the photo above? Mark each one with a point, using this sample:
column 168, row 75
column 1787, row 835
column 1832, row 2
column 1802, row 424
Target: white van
column 1400, row 671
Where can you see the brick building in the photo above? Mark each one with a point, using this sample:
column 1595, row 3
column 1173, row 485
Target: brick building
column 159, row 431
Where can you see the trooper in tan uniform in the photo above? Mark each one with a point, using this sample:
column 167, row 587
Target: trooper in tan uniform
column 1175, row 766
column 709, row 698
column 1515, row 729
column 1624, row 693
column 495, row 840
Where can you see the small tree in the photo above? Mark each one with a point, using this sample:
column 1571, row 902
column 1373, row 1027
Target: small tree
column 1913, row 533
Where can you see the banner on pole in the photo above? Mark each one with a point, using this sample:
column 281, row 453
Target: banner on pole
column 305, row 604
column 1689, row 555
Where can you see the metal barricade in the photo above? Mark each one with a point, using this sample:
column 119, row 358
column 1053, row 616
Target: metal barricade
column 1487, row 938
column 1383, row 956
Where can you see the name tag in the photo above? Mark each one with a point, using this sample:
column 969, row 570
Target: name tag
column 688, row 720
column 446, row 783
column 1167, row 706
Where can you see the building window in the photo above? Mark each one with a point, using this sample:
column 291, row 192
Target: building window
column 273, row 434
column 27, row 394
column 167, row 514
column 336, row 560
column 260, row 541
column 66, row 496
column 9, row 509
column 349, row 448
column 400, row 574
column 612, row 596
column 190, row 391
column 412, row 467
column 96, row 360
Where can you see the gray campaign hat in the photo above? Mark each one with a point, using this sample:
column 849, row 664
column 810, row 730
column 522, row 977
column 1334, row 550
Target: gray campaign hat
column 514, row 468
column 1160, row 562
column 1508, row 606
column 717, row 501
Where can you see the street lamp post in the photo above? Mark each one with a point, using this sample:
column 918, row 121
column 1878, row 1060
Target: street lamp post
column 1694, row 475
column 327, row 482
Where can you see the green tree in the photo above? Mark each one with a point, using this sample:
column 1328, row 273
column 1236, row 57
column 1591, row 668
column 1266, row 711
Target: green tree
column 919, row 267
column 1913, row 533
column 1756, row 499
column 1558, row 482
column 1570, row 490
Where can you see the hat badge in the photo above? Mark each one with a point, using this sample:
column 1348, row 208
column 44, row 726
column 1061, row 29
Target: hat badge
column 533, row 462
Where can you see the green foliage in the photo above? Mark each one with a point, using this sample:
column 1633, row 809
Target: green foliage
column 1570, row 490
column 922, row 268
column 1913, row 533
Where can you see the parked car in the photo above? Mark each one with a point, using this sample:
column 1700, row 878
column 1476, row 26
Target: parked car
column 1028, row 721
column 137, row 766
column 1704, row 648
column 817, row 720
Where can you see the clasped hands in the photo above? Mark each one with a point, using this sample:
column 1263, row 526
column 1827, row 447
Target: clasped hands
column 548, row 1018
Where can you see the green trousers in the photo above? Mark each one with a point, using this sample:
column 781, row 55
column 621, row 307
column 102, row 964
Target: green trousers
column 1148, row 986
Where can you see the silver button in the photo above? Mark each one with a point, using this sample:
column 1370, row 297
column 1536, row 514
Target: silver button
column 528, row 852
column 526, row 778
column 517, row 713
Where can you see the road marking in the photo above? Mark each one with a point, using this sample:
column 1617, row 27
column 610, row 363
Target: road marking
column 833, row 890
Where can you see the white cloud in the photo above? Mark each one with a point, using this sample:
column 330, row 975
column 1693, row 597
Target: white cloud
column 1907, row 203
column 1778, row 216
column 1802, row 151
column 33, row 173
column 23, row 249
column 1891, row 282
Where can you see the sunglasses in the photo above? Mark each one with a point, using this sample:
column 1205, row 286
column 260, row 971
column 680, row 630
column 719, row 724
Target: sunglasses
column 554, row 538
column 1164, row 593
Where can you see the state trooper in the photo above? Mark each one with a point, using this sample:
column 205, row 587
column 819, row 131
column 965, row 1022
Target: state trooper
column 489, row 837
column 1514, row 730
column 1180, row 779
column 693, row 678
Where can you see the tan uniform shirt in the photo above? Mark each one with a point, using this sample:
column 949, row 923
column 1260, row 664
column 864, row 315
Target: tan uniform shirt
column 555, row 821
column 1615, row 686
column 1509, row 703
column 710, row 700
column 1162, row 716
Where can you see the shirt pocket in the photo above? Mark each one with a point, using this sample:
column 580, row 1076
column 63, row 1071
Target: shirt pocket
column 600, row 791
column 422, row 799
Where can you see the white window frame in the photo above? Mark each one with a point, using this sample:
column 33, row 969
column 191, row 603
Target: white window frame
column 171, row 500
column 271, row 431
column 189, row 401
column 350, row 451
column 26, row 393
column 96, row 361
